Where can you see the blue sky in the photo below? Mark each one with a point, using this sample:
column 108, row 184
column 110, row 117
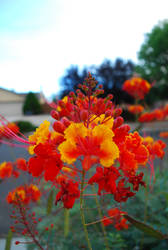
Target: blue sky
column 39, row 39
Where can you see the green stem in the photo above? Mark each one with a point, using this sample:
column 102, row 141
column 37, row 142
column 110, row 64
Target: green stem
column 102, row 225
column 145, row 214
column 82, row 212
column 66, row 222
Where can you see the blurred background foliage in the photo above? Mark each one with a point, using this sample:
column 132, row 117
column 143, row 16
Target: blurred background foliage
column 111, row 74
column 25, row 126
column 152, row 66
column 153, row 61
column 32, row 105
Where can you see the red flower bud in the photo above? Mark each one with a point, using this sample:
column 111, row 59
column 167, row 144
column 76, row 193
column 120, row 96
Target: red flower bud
column 61, row 104
column 110, row 96
column 108, row 113
column 59, row 127
column 109, row 104
column 118, row 122
column 79, row 86
column 118, row 112
column 72, row 94
column 65, row 121
column 54, row 114
column 83, row 115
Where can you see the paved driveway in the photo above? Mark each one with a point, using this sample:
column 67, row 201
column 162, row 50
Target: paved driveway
column 9, row 154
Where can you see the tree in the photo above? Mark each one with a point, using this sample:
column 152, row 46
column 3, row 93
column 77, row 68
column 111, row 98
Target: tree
column 111, row 75
column 153, row 56
column 31, row 105
column 71, row 79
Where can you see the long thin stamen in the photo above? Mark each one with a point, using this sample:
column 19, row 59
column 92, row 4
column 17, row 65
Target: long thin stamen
column 13, row 144
column 10, row 133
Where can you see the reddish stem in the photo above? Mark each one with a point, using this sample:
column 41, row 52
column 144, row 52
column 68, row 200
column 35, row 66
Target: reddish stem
column 27, row 226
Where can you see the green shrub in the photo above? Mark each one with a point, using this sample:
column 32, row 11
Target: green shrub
column 31, row 105
column 25, row 126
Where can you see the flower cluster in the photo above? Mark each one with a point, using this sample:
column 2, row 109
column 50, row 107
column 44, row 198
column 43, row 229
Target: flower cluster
column 24, row 195
column 88, row 133
column 136, row 87
column 116, row 218
column 87, row 144
column 5, row 170
column 158, row 114
column 155, row 148
column 135, row 109
column 164, row 134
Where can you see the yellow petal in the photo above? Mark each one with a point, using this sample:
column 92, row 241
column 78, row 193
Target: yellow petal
column 110, row 153
column 68, row 152
column 102, row 132
column 74, row 131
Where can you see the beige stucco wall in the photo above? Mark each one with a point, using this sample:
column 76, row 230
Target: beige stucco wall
column 11, row 109
column 7, row 96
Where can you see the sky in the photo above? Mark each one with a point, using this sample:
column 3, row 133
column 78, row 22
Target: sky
column 40, row 39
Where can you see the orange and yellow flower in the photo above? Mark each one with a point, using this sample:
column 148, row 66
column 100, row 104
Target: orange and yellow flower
column 41, row 135
column 135, row 109
column 133, row 153
column 155, row 148
column 5, row 170
column 24, row 194
column 136, row 87
column 164, row 134
column 87, row 142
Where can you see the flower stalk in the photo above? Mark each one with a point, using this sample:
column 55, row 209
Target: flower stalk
column 82, row 212
column 66, row 222
column 102, row 225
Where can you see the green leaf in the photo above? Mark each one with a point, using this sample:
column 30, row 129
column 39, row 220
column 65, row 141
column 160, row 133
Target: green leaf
column 8, row 240
column 50, row 202
column 145, row 228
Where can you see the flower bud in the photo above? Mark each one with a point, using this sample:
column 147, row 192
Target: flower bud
column 117, row 112
column 110, row 96
column 54, row 114
column 65, row 121
column 59, row 127
column 84, row 115
column 109, row 104
column 72, row 94
column 124, row 128
column 80, row 95
column 108, row 113
column 61, row 104
column 118, row 122
column 100, row 86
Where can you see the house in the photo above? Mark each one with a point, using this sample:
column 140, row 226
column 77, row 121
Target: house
column 11, row 103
